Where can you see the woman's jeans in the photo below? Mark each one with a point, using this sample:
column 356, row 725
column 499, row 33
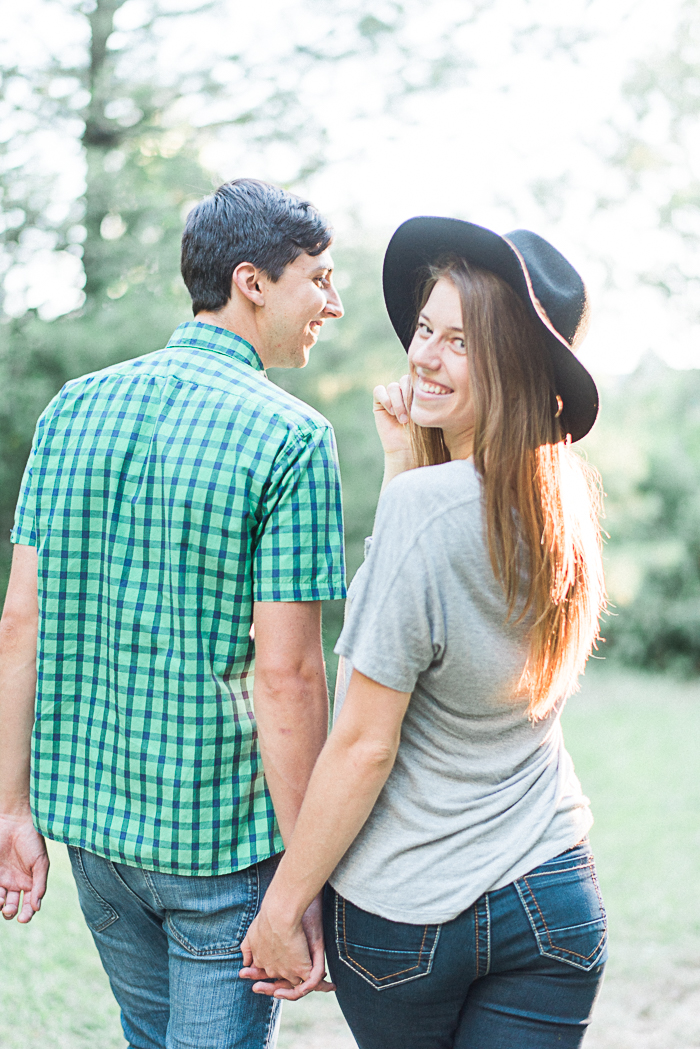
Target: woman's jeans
column 519, row 970
column 170, row 945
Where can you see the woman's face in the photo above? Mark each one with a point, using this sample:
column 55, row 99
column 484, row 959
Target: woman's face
column 440, row 371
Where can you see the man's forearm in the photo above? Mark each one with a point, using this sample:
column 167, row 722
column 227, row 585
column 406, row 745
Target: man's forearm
column 18, row 634
column 292, row 718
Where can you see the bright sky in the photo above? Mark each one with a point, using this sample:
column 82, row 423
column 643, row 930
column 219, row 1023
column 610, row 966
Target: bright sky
column 522, row 112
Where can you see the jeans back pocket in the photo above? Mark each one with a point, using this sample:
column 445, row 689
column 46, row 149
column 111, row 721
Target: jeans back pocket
column 98, row 912
column 383, row 952
column 565, row 909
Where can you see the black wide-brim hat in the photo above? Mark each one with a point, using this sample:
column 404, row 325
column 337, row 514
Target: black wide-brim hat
column 546, row 282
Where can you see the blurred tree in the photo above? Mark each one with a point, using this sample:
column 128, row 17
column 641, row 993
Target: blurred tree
column 112, row 101
column 647, row 447
column 660, row 155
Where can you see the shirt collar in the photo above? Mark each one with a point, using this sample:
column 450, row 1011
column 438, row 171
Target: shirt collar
column 218, row 340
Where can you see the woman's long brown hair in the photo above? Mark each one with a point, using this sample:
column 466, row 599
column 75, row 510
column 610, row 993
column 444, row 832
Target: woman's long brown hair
column 542, row 501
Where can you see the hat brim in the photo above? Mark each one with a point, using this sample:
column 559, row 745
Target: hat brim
column 422, row 241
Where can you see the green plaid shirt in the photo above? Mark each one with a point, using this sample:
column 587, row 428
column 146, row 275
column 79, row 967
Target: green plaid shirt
column 165, row 495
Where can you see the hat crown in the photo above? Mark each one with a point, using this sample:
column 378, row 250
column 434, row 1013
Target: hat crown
column 555, row 283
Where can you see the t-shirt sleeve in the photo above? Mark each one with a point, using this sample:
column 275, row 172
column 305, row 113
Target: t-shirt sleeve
column 395, row 627
column 299, row 554
column 24, row 531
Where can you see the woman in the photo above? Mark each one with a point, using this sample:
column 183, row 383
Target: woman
column 462, row 906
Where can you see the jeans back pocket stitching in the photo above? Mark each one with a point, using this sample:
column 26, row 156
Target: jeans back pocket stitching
column 221, row 949
column 390, row 975
column 562, row 870
column 123, row 884
column 112, row 914
column 148, row 878
column 552, row 945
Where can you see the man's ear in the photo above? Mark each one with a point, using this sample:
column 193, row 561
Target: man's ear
column 246, row 277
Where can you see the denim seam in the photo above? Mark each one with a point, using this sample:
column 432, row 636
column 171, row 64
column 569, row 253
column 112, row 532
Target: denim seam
column 355, row 966
column 151, row 884
column 267, row 1044
column 552, row 945
column 124, row 885
column 488, row 934
column 476, row 932
column 112, row 913
column 561, row 870
column 220, row 949
column 389, row 976
column 584, row 957
column 594, row 875
column 253, row 901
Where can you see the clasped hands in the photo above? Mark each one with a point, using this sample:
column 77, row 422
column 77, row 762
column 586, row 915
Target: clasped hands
column 284, row 954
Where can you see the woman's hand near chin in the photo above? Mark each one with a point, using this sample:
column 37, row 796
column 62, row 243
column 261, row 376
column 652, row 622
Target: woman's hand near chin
column 391, row 419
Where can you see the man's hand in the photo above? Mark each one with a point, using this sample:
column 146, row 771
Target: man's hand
column 24, row 867
column 287, row 962
column 24, row 864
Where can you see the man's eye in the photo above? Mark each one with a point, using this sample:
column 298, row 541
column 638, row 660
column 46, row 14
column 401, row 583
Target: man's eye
column 323, row 282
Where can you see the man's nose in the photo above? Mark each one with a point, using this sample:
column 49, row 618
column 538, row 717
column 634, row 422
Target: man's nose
column 333, row 304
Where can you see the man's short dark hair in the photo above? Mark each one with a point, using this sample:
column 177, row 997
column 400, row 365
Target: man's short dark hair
column 246, row 221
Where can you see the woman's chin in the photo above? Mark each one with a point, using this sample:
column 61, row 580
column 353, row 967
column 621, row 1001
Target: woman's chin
column 426, row 418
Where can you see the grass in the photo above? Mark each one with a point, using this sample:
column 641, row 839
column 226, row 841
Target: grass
column 634, row 740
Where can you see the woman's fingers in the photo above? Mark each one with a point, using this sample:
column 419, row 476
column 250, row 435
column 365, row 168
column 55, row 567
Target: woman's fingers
column 392, row 400
column 382, row 400
column 398, row 402
column 293, row 994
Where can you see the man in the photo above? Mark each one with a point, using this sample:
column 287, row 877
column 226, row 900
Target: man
column 175, row 507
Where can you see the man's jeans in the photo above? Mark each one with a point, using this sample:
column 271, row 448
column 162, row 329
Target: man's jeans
column 171, row 948
column 519, row 970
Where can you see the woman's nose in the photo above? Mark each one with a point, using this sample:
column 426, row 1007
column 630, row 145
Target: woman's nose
column 426, row 354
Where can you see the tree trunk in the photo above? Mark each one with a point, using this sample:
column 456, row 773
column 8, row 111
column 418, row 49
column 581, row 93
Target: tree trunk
column 100, row 136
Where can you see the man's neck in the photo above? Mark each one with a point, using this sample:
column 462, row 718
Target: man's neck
column 232, row 320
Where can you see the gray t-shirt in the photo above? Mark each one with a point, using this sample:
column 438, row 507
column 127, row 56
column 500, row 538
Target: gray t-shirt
column 479, row 794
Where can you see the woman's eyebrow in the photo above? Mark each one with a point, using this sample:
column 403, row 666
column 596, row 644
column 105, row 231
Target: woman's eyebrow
column 425, row 317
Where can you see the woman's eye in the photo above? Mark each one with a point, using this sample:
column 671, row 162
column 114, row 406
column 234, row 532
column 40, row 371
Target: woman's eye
column 424, row 329
column 458, row 345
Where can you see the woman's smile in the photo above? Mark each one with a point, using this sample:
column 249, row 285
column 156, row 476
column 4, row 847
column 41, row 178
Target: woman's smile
column 429, row 387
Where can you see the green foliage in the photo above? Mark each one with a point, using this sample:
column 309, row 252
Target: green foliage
column 647, row 447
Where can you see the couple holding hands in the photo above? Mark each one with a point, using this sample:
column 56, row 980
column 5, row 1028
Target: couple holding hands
column 162, row 687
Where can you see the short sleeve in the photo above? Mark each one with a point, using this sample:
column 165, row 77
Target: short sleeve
column 395, row 627
column 24, row 531
column 299, row 554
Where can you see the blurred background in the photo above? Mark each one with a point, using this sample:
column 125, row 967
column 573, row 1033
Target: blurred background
column 578, row 120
